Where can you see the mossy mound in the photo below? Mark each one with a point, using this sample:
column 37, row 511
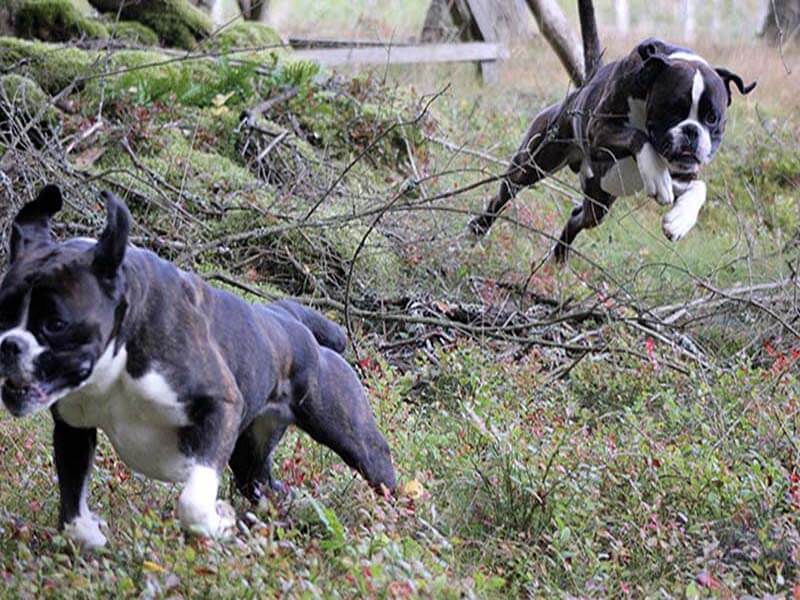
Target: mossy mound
column 55, row 21
column 251, row 41
column 176, row 22
column 134, row 33
column 154, row 76
column 248, row 34
column 52, row 67
column 22, row 101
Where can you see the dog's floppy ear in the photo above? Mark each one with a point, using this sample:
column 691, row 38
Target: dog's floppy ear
column 729, row 77
column 651, row 51
column 651, row 47
column 110, row 249
column 31, row 226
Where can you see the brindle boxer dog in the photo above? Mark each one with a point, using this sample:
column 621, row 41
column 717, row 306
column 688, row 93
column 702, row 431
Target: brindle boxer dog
column 183, row 378
column 650, row 121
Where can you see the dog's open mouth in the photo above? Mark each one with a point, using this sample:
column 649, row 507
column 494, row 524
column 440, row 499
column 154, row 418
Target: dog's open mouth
column 685, row 162
column 22, row 397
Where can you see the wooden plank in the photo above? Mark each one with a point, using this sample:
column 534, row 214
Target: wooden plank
column 298, row 43
column 397, row 55
column 483, row 12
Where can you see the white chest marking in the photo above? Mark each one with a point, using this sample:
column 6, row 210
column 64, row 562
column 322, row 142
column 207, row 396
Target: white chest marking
column 140, row 416
column 623, row 178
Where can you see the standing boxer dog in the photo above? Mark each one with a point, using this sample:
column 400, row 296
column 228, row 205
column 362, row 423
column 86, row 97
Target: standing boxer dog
column 649, row 121
column 183, row 378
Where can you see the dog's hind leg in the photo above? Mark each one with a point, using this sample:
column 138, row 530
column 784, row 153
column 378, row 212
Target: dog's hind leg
column 326, row 332
column 251, row 461
column 340, row 417
column 596, row 203
column 544, row 151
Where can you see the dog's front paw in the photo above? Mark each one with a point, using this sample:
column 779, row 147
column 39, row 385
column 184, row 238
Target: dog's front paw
column 680, row 220
column 84, row 530
column 655, row 175
column 199, row 510
column 215, row 522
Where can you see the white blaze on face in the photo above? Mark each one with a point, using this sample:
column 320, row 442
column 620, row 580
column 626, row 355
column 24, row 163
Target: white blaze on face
column 692, row 120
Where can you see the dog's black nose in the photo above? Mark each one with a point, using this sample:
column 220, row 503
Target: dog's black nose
column 692, row 134
column 10, row 350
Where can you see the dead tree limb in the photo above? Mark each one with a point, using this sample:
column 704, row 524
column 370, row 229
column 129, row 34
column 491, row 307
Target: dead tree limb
column 592, row 54
column 556, row 30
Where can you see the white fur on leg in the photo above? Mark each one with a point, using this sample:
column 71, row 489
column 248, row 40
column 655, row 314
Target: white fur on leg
column 198, row 507
column 655, row 175
column 85, row 529
column 680, row 220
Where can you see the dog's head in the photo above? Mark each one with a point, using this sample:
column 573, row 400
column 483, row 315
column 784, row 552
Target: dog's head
column 61, row 303
column 687, row 102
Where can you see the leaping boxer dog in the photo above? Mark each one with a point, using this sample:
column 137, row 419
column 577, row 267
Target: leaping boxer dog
column 649, row 121
column 183, row 378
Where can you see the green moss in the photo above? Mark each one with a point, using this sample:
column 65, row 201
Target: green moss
column 21, row 93
column 346, row 126
column 199, row 172
column 55, row 21
column 206, row 170
column 176, row 22
column 22, row 101
column 52, row 67
column 135, row 33
column 140, row 76
column 248, row 34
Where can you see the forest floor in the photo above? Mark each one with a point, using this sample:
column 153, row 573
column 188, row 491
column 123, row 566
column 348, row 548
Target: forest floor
column 626, row 425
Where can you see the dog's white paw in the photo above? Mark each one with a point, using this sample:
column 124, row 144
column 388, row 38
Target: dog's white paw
column 680, row 220
column 84, row 530
column 199, row 510
column 655, row 175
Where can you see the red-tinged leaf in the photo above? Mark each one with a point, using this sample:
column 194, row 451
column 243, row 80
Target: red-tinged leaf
column 706, row 579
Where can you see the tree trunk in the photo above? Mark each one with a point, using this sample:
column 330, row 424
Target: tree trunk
column 688, row 17
column 556, row 30
column 449, row 20
column 782, row 22
column 592, row 54
column 716, row 12
column 623, row 15
column 257, row 10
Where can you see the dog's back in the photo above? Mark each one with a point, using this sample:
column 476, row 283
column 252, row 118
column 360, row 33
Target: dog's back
column 326, row 332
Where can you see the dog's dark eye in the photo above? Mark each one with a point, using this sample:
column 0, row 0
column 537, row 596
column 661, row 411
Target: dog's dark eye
column 54, row 325
column 712, row 119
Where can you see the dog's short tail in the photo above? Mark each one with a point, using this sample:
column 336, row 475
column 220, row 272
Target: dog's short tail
column 327, row 333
